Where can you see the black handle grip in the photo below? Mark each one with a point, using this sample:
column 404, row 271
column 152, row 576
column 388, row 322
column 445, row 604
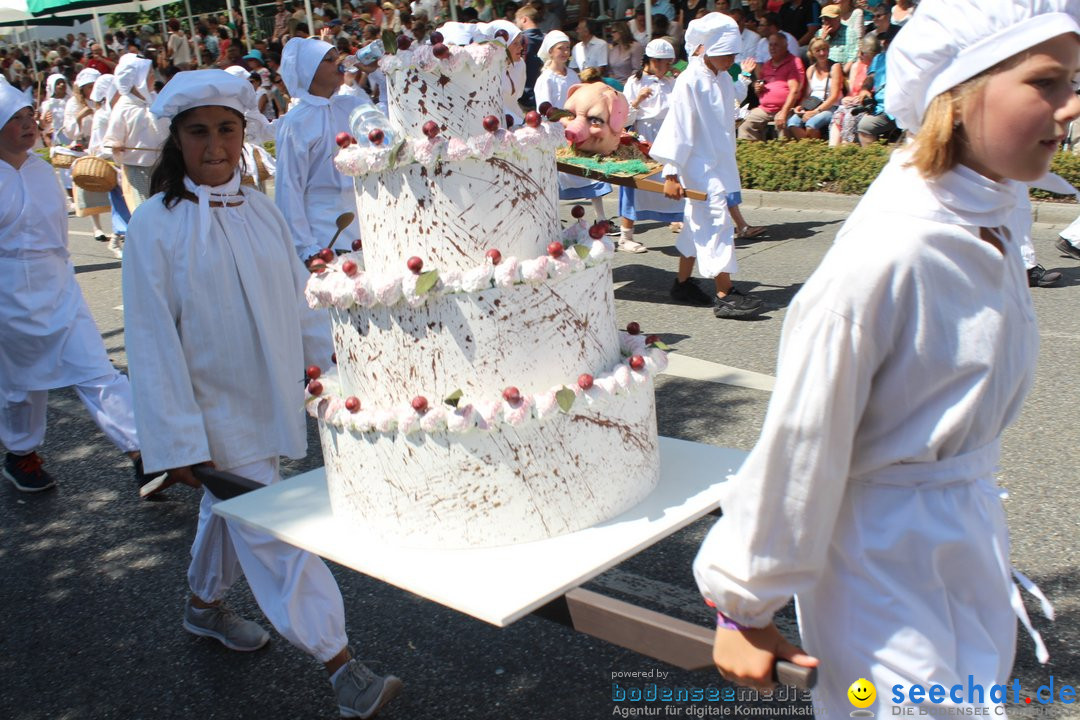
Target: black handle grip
column 788, row 673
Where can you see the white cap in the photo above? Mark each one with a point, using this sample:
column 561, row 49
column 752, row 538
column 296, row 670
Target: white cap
column 552, row 39
column 949, row 41
column 201, row 88
column 660, row 49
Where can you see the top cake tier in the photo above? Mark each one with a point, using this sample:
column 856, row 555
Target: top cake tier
column 456, row 92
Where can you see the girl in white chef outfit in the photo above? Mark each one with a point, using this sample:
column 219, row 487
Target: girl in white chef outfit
column 870, row 495
column 218, row 336
column 48, row 338
column 553, row 86
column 134, row 135
column 648, row 91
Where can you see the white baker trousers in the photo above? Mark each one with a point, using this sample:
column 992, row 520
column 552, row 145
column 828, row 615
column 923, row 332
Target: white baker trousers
column 108, row 398
column 294, row 588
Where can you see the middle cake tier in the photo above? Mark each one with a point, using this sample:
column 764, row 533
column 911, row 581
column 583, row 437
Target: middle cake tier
column 529, row 336
column 450, row 214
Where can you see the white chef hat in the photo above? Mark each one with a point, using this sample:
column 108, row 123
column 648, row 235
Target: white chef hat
column 104, row 88
column 660, row 49
column 457, row 33
column 949, row 41
column 132, row 73
column 299, row 61
column 87, row 76
column 552, row 39
column 486, row 31
column 200, row 88
column 51, row 81
column 705, row 30
column 12, row 100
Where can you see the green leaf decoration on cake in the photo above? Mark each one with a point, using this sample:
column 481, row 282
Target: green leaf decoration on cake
column 565, row 398
column 453, row 398
column 582, row 251
column 426, row 281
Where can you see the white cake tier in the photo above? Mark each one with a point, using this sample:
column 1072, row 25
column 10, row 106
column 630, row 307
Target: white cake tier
column 449, row 215
column 528, row 336
column 544, row 478
column 457, row 92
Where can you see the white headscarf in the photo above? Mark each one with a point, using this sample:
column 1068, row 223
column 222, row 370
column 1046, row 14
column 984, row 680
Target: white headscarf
column 52, row 80
column 12, row 100
column 104, row 89
column 132, row 74
column 552, row 39
column 299, row 61
column 949, row 41
column 87, row 76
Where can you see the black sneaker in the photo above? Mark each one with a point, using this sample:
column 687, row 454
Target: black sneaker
column 1067, row 248
column 1039, row 276
column 688, row 293
column 737, row 305
column 26, row 473
column 149, row 483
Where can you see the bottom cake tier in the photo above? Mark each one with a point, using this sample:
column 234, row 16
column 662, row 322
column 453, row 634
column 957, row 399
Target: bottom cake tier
column 514, row 483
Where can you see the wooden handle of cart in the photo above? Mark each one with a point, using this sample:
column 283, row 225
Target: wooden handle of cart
column 643, row 181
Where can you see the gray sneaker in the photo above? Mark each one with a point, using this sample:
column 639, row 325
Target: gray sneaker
column 361, row 693
column 225, row 626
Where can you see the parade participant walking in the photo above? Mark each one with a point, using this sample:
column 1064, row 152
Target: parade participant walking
column 214, row 306
column 870, row 495
column 697, row 143
column 48, row 339
column 309, row 190
column 134, row 135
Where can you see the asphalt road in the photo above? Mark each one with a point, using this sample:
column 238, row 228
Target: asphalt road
column 94, row 580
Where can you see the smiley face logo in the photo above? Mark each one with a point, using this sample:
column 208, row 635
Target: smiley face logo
column 862, row 693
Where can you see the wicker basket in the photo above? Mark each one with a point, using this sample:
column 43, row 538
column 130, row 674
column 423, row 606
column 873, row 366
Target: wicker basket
column 62, row 160
column 93, row 174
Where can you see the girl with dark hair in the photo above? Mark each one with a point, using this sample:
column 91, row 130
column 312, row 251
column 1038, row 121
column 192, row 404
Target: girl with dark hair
column 218, row 334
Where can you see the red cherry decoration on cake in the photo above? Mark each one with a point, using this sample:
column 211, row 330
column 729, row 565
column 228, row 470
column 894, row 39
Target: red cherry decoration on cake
column 313, row 372
column 357, row 245
column 577, row 212
column 637, row 362
column 585, row 381
column 344, row 139
column 491, row 123
column 348, row 267
column 431, row 129
column 652, row 339
column 512, row 395
column 633, row 328
column 375, row 135
column 544, row 108
column 555, row 249
column 326, row 255
column 436, row 37
column 440, row 51
column 598, row 230
column 494, row 256
column 403, row 42
column 352, row 403
column 415, row 265
column 532, row 119
column 419, row 404
column 314, row 387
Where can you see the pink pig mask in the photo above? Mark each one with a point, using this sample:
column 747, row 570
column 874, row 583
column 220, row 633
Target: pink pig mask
column 600, row 114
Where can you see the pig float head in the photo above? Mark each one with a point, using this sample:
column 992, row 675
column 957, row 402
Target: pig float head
column 600, row 113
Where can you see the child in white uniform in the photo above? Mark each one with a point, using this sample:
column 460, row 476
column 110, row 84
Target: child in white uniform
column 218, row 334
column 870, row 495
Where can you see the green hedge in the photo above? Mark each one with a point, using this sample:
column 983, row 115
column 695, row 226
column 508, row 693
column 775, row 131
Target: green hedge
column 809, row 165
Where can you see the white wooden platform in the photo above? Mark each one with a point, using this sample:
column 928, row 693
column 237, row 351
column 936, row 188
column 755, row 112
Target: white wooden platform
column 497, row 585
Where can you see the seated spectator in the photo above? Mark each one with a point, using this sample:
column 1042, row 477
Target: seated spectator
column 591, row 50
column 821, row 93
column 842, row 128
column 625, row 54
column 779, row 82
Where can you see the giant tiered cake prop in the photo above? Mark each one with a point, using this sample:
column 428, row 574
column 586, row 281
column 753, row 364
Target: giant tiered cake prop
column 483, row 394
